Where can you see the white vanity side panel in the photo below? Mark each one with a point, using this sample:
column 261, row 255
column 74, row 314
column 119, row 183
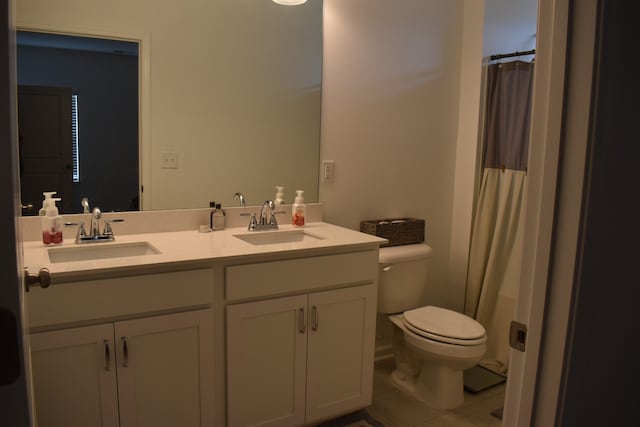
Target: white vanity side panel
column 117, row 297
column 300, row 275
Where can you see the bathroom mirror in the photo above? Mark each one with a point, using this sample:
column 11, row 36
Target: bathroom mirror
column 229, row 96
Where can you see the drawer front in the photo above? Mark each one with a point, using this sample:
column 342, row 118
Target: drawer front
column 117, row 297
column 300, row 275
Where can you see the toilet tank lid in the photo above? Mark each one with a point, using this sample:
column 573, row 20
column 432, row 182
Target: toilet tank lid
column 404, row 253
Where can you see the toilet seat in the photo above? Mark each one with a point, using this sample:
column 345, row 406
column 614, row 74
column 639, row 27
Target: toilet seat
column 447, row 326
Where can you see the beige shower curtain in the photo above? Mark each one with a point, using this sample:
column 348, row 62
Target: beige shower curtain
column 496, row 238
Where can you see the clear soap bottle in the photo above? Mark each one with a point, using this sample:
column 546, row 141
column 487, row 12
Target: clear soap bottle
column 217, row 218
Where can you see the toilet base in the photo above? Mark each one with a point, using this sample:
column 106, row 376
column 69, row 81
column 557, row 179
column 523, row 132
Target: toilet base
column 431, row 371
column 439, row 386
column 404, row 382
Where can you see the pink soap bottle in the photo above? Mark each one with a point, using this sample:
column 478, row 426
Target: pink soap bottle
column 52, row 224
column 298, row 210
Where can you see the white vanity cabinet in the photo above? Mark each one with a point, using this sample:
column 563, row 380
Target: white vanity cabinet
column 74, row 377
column 211, row 331
column 144, row 371
column 307, row 355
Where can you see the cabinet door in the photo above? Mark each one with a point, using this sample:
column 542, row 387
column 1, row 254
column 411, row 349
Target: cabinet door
column 74, row 377
column 165, row 370
column 340, row 351
column 266, row 357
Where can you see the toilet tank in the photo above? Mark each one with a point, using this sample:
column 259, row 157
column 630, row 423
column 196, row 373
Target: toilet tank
column 402, row 277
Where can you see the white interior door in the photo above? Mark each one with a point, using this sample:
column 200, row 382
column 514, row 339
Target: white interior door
column 562, row 124
column 553, row 206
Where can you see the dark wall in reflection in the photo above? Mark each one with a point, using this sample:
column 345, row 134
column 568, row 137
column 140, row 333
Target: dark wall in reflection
column 107, row 88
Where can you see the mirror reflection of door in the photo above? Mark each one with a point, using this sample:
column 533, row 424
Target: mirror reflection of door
column 46, row 160
column 103, row 76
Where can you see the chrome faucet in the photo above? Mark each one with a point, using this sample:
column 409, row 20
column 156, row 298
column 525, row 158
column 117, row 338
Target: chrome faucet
column 94, row 229
column 96, row 214
column 267, row 209
column 85, row 205
column 263, row 213
column 240, row 197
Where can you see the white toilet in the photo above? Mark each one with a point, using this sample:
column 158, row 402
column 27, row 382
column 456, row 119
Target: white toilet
column 431, row 345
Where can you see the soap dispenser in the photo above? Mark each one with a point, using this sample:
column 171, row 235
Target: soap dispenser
column 279, row 195
column 298, row 210
column 52, row 223
column 46, row 202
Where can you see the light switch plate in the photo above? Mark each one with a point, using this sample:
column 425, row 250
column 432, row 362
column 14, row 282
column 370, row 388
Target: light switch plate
column 169, row 160
column 328, row 171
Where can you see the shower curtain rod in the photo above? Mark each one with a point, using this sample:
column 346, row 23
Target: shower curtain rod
column 511, row 55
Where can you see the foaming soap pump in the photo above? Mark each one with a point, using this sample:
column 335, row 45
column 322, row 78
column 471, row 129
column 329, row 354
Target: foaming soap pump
column 279, row 195
column 46, row 202
column 52, row 223
column 298, row 210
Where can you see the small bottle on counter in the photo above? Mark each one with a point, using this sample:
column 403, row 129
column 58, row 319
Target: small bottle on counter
column 212, row 205
column 217, row 218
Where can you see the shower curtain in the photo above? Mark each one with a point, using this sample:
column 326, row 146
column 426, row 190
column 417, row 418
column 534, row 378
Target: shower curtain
column 496, row 237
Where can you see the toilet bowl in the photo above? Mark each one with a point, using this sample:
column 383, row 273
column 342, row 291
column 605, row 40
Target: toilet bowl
column 431, row 345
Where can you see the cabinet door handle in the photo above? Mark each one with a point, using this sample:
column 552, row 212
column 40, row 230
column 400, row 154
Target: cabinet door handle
column 315, row 317
column 301, row 321
column 107, row 356
column 125, row 352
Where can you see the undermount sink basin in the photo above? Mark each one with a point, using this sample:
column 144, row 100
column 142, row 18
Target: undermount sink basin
column 277, row 237
column 88, row 252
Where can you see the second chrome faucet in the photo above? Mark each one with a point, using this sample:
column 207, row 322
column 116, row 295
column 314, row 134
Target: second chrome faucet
column 266, row 211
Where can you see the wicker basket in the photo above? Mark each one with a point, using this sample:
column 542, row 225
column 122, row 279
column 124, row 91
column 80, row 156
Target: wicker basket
column 399, row 231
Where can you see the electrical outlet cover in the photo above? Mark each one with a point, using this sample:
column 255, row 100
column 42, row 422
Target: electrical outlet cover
column 169, row 160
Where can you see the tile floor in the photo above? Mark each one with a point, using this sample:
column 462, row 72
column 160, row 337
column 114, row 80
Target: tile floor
column 393, row 408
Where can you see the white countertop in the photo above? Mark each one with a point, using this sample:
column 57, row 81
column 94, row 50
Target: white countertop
column 192, row 246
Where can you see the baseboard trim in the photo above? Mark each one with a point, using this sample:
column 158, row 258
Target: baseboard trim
column 383, row 352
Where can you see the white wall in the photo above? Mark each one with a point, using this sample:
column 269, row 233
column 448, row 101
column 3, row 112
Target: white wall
column 467, row 151
column 391, row 80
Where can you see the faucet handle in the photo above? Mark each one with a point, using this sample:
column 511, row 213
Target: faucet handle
column 273, row 220
column 82, row 233
column 107, row 226
column 253, row 222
